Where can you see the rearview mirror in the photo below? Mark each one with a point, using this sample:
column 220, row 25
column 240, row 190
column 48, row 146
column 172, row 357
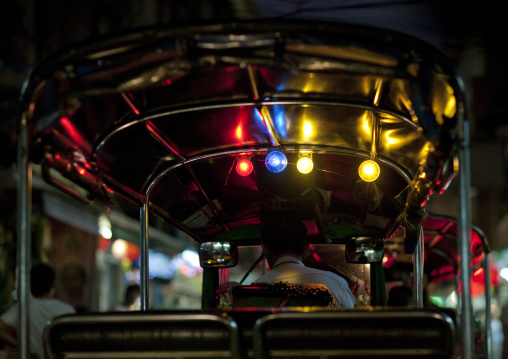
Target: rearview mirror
column 365, row 250
column 217, row 255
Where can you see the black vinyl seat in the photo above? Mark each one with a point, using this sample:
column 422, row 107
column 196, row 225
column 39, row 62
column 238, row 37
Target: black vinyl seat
column 142, row 335
column 355, row 334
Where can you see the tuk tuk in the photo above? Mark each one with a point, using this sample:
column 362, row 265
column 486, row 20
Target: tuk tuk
column 441, row 278
column 214, row 128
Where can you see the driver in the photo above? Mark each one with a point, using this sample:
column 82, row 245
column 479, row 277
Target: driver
column 284, row 243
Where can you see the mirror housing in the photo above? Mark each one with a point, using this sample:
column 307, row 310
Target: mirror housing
column 218, row 255
column 365, row 250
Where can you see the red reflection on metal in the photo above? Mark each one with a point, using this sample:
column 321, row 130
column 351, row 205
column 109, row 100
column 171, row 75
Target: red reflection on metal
column 445, row 270
column 478, row 282
column 81, row 171
column 316, row 257
column 72, row 131
column 130, row 102
column 311, row 227
column 444, row 278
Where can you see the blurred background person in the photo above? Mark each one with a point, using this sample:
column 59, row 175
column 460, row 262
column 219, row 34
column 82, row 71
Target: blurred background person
column 42, row 308
column 131, row 299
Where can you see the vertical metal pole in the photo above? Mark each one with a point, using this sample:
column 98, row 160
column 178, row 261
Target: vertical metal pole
column 418, row 271
column 465, row 242
column 24, row 238
column 488, row 306
column 145, row 300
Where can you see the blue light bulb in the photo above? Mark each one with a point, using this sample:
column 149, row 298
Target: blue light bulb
column 276, row 161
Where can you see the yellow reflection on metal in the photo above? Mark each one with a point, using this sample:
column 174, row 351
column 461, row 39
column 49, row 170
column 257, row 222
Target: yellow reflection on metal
column 366, row 125
column 377, row 96
column 444, row 103
column 307, row 130
column 456, row 164
column 389, row 140
column 425, row 150
column 369, row 171
column 451, row 107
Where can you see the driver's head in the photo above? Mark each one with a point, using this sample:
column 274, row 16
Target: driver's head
column 42, row 279
column 283, row 237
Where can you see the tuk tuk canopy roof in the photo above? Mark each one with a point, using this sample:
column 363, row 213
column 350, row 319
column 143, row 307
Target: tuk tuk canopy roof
column 163, row 115
column 441, row 250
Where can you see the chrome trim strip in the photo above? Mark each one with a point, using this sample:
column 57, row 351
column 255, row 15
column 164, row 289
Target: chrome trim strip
column 24, row 237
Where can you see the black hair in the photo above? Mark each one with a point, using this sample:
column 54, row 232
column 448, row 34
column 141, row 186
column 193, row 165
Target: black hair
column 284, row 236
column 42, row 279
column 400, row 296
column 131, row 293
column 132, row 289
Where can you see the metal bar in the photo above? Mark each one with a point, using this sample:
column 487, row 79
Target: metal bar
column 488, row 305
column 375, row 121
column 263, row 111
column 418, row 271
column 46, row 175
column 253, row 83
column 162, row 139
column 208, row 199
column 130, row 103
column 305, row 101
column 24, row 238
column 287, row 102
column 267, row 121
column 170, row 219
column 465, row 242
column 290, row 148
column 263, row 104
column 379, row 88
column 143, row 256
column 374, row 137
column 135, row 197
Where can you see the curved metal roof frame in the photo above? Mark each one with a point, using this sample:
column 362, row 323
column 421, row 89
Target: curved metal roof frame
column 394, row 85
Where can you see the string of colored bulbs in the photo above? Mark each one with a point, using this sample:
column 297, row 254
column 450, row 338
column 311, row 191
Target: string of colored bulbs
column 276, row 162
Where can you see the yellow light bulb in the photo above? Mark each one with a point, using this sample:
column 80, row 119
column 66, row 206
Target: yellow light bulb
column 369, row 171
column 305, row 165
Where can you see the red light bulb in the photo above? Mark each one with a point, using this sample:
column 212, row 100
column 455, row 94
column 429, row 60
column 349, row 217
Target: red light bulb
column 244, row 167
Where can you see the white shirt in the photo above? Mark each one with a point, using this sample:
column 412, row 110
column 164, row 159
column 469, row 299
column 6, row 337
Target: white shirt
column 291, row 269
column 41, row 311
